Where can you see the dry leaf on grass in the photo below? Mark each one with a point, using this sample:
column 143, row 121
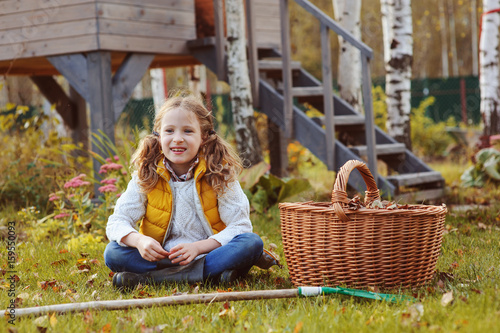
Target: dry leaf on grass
column 447, row 298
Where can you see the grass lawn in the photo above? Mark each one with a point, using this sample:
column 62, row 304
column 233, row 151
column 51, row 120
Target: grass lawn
column 464, row 296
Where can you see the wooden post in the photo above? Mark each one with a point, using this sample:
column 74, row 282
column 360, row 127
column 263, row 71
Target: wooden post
column 220, row 40
column 253, row 60
column 326, row 61
column 81, row 131
column 287, row 68
column 278, row 155
column 369, row 120
column 100, row 99
column 463, row 99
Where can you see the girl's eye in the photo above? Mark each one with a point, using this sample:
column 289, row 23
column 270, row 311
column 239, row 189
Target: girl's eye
column 169, row 131
column 188, row 131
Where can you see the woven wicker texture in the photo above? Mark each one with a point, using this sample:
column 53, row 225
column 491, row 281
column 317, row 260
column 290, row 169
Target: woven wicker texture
column 328, row 244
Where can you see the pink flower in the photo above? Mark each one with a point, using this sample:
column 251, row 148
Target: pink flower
column 118, row 195
column 108, row 188
column 109, row 160
column 109, row 181
column 116, row 158
column 110, row 166
column 77, row 181
column 61, row 215
column 71, row 195
column 53, row 197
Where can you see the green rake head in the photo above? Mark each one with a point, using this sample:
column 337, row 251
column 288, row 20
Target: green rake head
column 314, row 291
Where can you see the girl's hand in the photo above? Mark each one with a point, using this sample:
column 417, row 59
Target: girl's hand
column 183, row 253
column 187, row 252
column 149, row 248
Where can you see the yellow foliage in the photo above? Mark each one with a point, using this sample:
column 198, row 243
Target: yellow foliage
column 85, row 242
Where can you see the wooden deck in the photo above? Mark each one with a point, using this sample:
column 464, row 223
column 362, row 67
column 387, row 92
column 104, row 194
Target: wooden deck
column 32, row 30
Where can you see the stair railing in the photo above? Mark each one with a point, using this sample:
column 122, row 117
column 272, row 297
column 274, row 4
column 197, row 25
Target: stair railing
column 327, row 24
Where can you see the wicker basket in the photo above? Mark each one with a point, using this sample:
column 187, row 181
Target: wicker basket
column 328, row 244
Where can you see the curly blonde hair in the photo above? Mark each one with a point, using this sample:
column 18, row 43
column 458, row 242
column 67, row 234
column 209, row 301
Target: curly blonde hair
column 223, row 163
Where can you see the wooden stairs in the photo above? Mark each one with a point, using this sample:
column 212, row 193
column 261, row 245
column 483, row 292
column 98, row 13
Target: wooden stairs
column 409, row 178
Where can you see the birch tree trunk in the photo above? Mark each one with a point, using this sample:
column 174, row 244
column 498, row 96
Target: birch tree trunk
column 488, row 71
column 453, row 38
column 444, row 40
column 247, row 140
column 347, row 13
column 398, row 57
column 157, row 87
column 475, row 44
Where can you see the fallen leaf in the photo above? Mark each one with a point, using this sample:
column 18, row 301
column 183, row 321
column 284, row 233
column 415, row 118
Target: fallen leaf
column 58, row 262
column 88, row 318
column 41, row 323
column 63, row 251
column 447, row 298
column 106, row 328
column 187, row 321
column 53, row 320
column 95, row 262
column 298, row 327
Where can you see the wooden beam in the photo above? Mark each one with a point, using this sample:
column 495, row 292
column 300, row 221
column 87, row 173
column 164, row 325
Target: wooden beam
column 74, row 68
column 126, row 78
column 100, row 99
column 287, row 69
column 220, row 40
column 56, row 96
column 81, row 133
column 326, row 65
column 369, row 117
column 253, row 60
column 278, row 149
column 100, row 93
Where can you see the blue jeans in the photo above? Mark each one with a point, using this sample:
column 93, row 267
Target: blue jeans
column 239, row 254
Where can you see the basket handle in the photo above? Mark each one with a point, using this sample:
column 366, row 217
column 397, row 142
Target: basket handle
column 339, row 194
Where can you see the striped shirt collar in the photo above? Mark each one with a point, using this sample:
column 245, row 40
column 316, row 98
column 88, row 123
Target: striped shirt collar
column 182, row 178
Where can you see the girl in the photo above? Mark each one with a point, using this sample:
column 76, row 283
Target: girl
column 195, row 216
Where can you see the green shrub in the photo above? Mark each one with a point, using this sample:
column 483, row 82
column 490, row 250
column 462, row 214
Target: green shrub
column 428, row 138
column 26, row 177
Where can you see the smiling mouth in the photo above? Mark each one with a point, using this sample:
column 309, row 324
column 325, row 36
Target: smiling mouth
column 178, row 150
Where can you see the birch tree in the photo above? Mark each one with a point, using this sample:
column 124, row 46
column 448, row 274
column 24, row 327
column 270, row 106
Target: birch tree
column 398, row 57
column 347, row 13
column 488, row 71
column 247, row 140
column 444, row 40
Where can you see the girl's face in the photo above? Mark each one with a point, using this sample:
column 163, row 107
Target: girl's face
column 180, row 138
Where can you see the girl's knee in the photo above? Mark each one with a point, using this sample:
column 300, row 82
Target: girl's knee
column 253, row 242
column 113, row 256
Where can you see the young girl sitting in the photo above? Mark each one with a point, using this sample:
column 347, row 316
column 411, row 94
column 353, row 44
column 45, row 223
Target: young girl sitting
column 195, row 216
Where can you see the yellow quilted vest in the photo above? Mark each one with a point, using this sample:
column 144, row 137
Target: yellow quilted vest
column 159, row 207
